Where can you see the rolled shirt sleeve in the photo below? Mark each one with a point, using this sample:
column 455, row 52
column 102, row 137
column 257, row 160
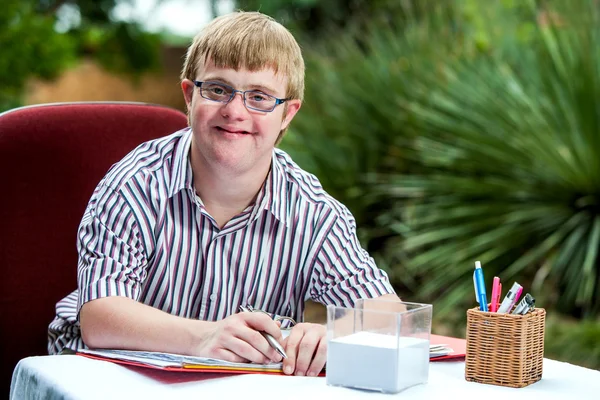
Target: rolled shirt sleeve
column 112, row 258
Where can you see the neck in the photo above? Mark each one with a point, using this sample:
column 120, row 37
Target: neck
column 225, row 194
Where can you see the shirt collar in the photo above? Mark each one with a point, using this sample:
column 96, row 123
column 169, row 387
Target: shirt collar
column 272, row 196
column 279, row 193
column 181, row 168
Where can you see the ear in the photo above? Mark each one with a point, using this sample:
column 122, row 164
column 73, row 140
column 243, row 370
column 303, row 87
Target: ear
column 188, row 87
column 292, row 108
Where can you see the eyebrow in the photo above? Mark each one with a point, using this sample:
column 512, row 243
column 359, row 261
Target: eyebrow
column 252, row 86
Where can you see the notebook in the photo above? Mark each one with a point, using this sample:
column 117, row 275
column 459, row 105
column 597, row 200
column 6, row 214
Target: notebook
column 441, row 348
column 178, row 362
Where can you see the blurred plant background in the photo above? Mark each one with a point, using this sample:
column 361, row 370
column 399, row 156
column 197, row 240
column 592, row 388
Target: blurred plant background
column 454, row 131
column 42, row 38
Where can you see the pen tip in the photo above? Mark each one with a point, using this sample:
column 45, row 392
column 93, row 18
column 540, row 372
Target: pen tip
column 477, row 264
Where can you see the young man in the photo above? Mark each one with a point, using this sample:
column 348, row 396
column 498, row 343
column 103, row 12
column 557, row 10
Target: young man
column 188, row 228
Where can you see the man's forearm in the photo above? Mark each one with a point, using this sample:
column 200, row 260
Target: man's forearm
column 123, row 323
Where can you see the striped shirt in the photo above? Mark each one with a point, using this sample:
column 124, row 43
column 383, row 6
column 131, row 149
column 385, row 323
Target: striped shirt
column 146, row 235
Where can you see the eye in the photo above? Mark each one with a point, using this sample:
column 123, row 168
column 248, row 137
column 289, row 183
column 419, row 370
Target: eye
column 258, row 97
column 216, row 89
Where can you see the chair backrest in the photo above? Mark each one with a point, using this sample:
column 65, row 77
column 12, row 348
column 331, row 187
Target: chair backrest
column 52, row 157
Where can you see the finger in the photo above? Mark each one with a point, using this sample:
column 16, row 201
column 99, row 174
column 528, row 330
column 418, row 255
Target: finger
column 227, row 355
column 291, row 349
column 262, row 322
column 306, row 350
column 258, row 342
column 319, row 359
column 246, row 351
column 275, row 345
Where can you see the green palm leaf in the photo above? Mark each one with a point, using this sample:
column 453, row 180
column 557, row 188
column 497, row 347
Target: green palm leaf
column 509, row 152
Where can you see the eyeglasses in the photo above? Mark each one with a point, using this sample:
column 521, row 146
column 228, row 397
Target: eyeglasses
column 253, row 99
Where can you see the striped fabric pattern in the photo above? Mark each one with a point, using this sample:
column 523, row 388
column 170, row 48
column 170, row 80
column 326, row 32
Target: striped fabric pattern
column 146, row 235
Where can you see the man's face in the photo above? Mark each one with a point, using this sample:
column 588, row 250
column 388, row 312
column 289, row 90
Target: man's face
column 230, row 138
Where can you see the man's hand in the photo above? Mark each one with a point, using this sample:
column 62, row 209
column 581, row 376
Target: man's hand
column 306, row 349
column 237, row 339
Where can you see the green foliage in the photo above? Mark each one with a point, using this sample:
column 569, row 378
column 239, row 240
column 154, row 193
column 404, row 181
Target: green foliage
column 30, row 47
column 572, row 340
column 40, row 38
column 313, row 20
column 509, row 148
column 125, row 47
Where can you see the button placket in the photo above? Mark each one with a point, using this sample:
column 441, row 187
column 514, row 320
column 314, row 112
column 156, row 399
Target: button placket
column 212, row 274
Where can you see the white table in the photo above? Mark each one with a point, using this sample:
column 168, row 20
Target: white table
column 76, row 377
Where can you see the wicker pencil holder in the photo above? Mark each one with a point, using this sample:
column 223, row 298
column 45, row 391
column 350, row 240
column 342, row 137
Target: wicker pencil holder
column 505, row 349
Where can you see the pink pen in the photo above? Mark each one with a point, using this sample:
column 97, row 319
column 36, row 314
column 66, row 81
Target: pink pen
column 496, row 291
column 519, row 291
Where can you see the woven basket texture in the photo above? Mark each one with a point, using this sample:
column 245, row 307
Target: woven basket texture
column 505, row 349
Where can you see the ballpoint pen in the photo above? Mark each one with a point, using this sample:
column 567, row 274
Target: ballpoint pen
column 272, row 341
column 479, row 284
column 496, row 292
column 510, row 298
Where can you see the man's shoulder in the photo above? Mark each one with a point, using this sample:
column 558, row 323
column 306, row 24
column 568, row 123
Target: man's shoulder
column 306, row 185
column 150, row 158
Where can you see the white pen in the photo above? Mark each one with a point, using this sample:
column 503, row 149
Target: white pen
column 509, row 299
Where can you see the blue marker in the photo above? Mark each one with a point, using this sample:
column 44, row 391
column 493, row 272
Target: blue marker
column 479, row 283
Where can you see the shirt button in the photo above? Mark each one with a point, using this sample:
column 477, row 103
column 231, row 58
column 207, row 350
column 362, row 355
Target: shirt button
column 213, row 297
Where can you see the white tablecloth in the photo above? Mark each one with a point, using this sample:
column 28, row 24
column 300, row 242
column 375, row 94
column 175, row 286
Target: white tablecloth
column 76, row 377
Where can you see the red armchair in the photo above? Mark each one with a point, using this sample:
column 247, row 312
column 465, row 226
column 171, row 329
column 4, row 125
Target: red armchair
column 51, row 158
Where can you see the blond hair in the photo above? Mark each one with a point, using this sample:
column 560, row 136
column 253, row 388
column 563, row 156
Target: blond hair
column 249, row 40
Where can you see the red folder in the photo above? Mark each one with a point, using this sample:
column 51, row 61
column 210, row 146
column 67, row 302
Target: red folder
column 459, row 347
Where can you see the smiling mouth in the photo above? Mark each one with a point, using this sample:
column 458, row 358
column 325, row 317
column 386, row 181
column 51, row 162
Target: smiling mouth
column 235, row 132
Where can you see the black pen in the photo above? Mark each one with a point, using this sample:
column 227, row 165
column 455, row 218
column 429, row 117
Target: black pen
column 525, row 305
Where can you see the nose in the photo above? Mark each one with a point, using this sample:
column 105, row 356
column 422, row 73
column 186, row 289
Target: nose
column 235, row 109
